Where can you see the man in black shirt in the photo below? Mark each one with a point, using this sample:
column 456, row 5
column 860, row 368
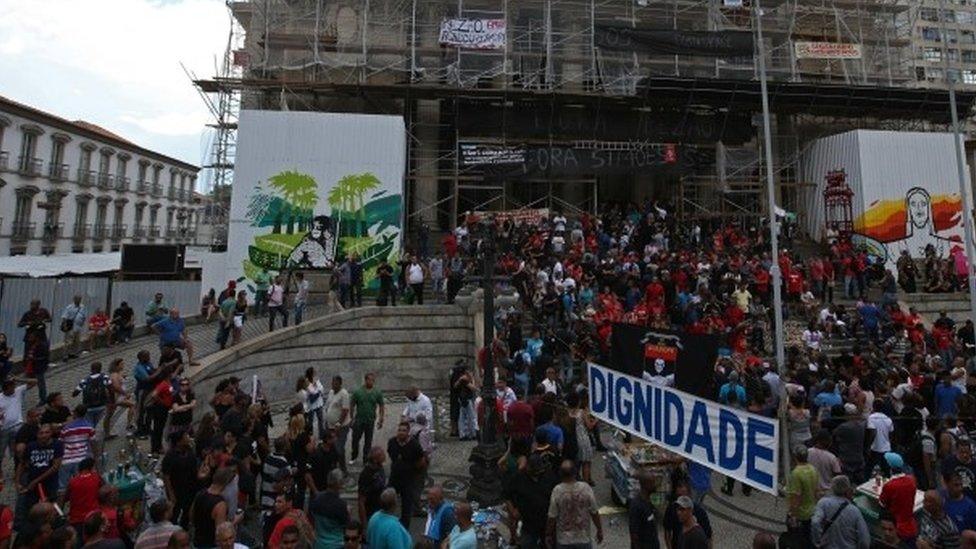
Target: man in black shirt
column 642, row 516
column 123, row 322
column 321, row 462
column 527, row 499
column 35, row 320
column 407, row 461
column 372, row 482
column 179, row 469
column 328, row 510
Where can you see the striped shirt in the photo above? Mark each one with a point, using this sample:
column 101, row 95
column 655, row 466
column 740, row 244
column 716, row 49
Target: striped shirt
column 76, row 436
column 269, row 470
column 156, row 536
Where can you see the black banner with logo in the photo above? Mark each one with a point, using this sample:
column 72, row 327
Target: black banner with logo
column 648, row 353
column 674, row 42
column 515, row 160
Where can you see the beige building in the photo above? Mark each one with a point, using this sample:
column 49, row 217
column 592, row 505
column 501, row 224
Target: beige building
column 71, row 186
column 944, row 38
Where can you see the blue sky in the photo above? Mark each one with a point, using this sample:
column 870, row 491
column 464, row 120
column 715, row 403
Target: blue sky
column 116, row 63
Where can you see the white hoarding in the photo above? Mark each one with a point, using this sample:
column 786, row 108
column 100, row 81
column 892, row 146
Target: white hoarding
column 905, row 189
column 311, row 187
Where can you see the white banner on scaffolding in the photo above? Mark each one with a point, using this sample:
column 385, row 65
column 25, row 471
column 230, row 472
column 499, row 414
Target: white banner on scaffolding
column 479, row 34
column 827, row 50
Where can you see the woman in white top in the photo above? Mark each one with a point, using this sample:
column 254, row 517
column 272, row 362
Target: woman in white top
column 812, row 337
column 311, row 394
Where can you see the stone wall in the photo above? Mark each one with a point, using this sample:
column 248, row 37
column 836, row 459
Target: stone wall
column 404, row 346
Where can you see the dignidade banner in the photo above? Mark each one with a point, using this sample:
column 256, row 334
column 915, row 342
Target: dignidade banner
column 479, row 34
column 826, row 50
column 733, row 442
column 674, row 42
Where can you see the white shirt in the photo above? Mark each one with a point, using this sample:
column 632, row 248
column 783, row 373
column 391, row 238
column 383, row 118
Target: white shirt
column 313, row 396
column 559, row 222
column 415, row 274
column 420, row 406
column 550, row 386
column 12, row 408
column 338, row 401
column 659, row 380
column 301, row 296
column 507, row 397
column 436, row 267
column 883, row 427
column 812, row 339
column 276, row 295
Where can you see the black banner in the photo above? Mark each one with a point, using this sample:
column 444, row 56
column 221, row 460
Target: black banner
column 509, row 160
column 533, row 120
column 651, row 353
column 673, row 42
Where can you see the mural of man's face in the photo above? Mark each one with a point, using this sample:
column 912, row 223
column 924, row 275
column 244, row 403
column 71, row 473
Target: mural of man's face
column 316, row 230
column 918, row 210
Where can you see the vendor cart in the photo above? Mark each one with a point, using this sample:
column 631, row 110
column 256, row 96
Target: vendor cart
column 625, row 460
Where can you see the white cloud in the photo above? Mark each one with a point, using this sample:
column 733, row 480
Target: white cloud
column 126, row 50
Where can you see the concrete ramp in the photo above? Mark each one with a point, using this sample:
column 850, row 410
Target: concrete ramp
column 403, row 346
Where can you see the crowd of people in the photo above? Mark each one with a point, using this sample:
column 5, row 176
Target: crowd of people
column 893, row 409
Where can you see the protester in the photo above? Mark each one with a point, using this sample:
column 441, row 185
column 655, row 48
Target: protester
column 73, row 320
column 571, row 505
column 172, row 333
column 157, row 536
column 837, row 523
column 367, row 410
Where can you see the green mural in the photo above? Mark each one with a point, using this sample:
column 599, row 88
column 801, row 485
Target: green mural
column 364, row 220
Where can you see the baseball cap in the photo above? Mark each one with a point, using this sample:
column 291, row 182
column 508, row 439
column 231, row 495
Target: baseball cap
column 894, row 460
column 850, row 408
column 685, row 502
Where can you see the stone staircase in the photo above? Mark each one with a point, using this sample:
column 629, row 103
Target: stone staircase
column 404, row 346
column 956, row 305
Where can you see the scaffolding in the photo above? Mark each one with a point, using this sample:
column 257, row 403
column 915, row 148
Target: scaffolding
column 385, row 56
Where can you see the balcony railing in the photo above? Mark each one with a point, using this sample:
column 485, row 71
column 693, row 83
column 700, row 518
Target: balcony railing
column 153, row 232
column 51, row 232
column 4, row 159
column 143, row 187
column 171, row 193
column 101, row 232
column 87, row 178
column 172, row 234
column 29, row 167
column 106, row 181
column 121, row 183
column 22, row 231
column 157, row 189
column 139, row 232
column 81, row 231
column 58, row 172
column 118, row 231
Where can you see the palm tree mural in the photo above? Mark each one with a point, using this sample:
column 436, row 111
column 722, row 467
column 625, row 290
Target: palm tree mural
column 299, row 192
column 362, row 185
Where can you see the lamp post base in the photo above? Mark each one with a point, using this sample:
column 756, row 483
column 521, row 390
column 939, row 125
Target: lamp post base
column 486, row 481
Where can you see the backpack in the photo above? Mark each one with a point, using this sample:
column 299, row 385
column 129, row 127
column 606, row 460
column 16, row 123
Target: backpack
column 95, row 392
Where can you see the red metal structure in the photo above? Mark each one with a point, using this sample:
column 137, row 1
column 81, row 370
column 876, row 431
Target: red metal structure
column 838, row 201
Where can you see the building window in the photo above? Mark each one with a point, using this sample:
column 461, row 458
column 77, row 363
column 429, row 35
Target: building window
column 931, row 34
column 969, row 56
column 28, row 147
column 103, row 162
column 22, row 210
column 86, row 159
column 140, row 214
column 143, row 166
column 101, row 215
column 57, row 154
column 81, row 215
column 121, row 167
column 934, row 73
column 157, row 170
column 153, row 216
column 969, row 76
column 929, row 14
column 968, row 37
column 933, row 55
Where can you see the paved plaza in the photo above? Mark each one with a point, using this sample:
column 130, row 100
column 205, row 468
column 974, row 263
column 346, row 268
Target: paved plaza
column 734, row 519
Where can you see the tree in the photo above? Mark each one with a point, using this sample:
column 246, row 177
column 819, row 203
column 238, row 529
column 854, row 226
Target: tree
column 299, row 192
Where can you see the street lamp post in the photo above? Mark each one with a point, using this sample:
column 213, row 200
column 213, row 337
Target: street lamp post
column 486, row 484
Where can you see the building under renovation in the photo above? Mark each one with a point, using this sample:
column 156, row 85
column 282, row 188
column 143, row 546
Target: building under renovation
column 568, row 104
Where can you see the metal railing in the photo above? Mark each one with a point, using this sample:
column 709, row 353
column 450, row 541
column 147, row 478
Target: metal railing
column 58, row 172
column 157, row 189
column 121, row 183
column 4, row 159
column 87, row 178
column 22, row 231
column 172, row 233
column 30, row 167
column 81, row 231
column 101, row 232
column 139, row 232
column 118, row 231
column 143, row 187
column 51, row 232
column 106, row 181
column 153, row 232
column 171, row 193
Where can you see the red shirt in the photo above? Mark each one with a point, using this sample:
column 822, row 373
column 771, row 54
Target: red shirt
column 794, row 282
column 898, row 496
column 164, row 394
column 521, row 420
column 816, row 269
column 762, row 280
column 98, row 322
column 83, row 495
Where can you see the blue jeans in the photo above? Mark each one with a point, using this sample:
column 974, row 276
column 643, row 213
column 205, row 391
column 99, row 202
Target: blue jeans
column 65, row 473
column 223, row 332
column 94, row 414
column 299, row 313
column 467, row 420
column 344, row 295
